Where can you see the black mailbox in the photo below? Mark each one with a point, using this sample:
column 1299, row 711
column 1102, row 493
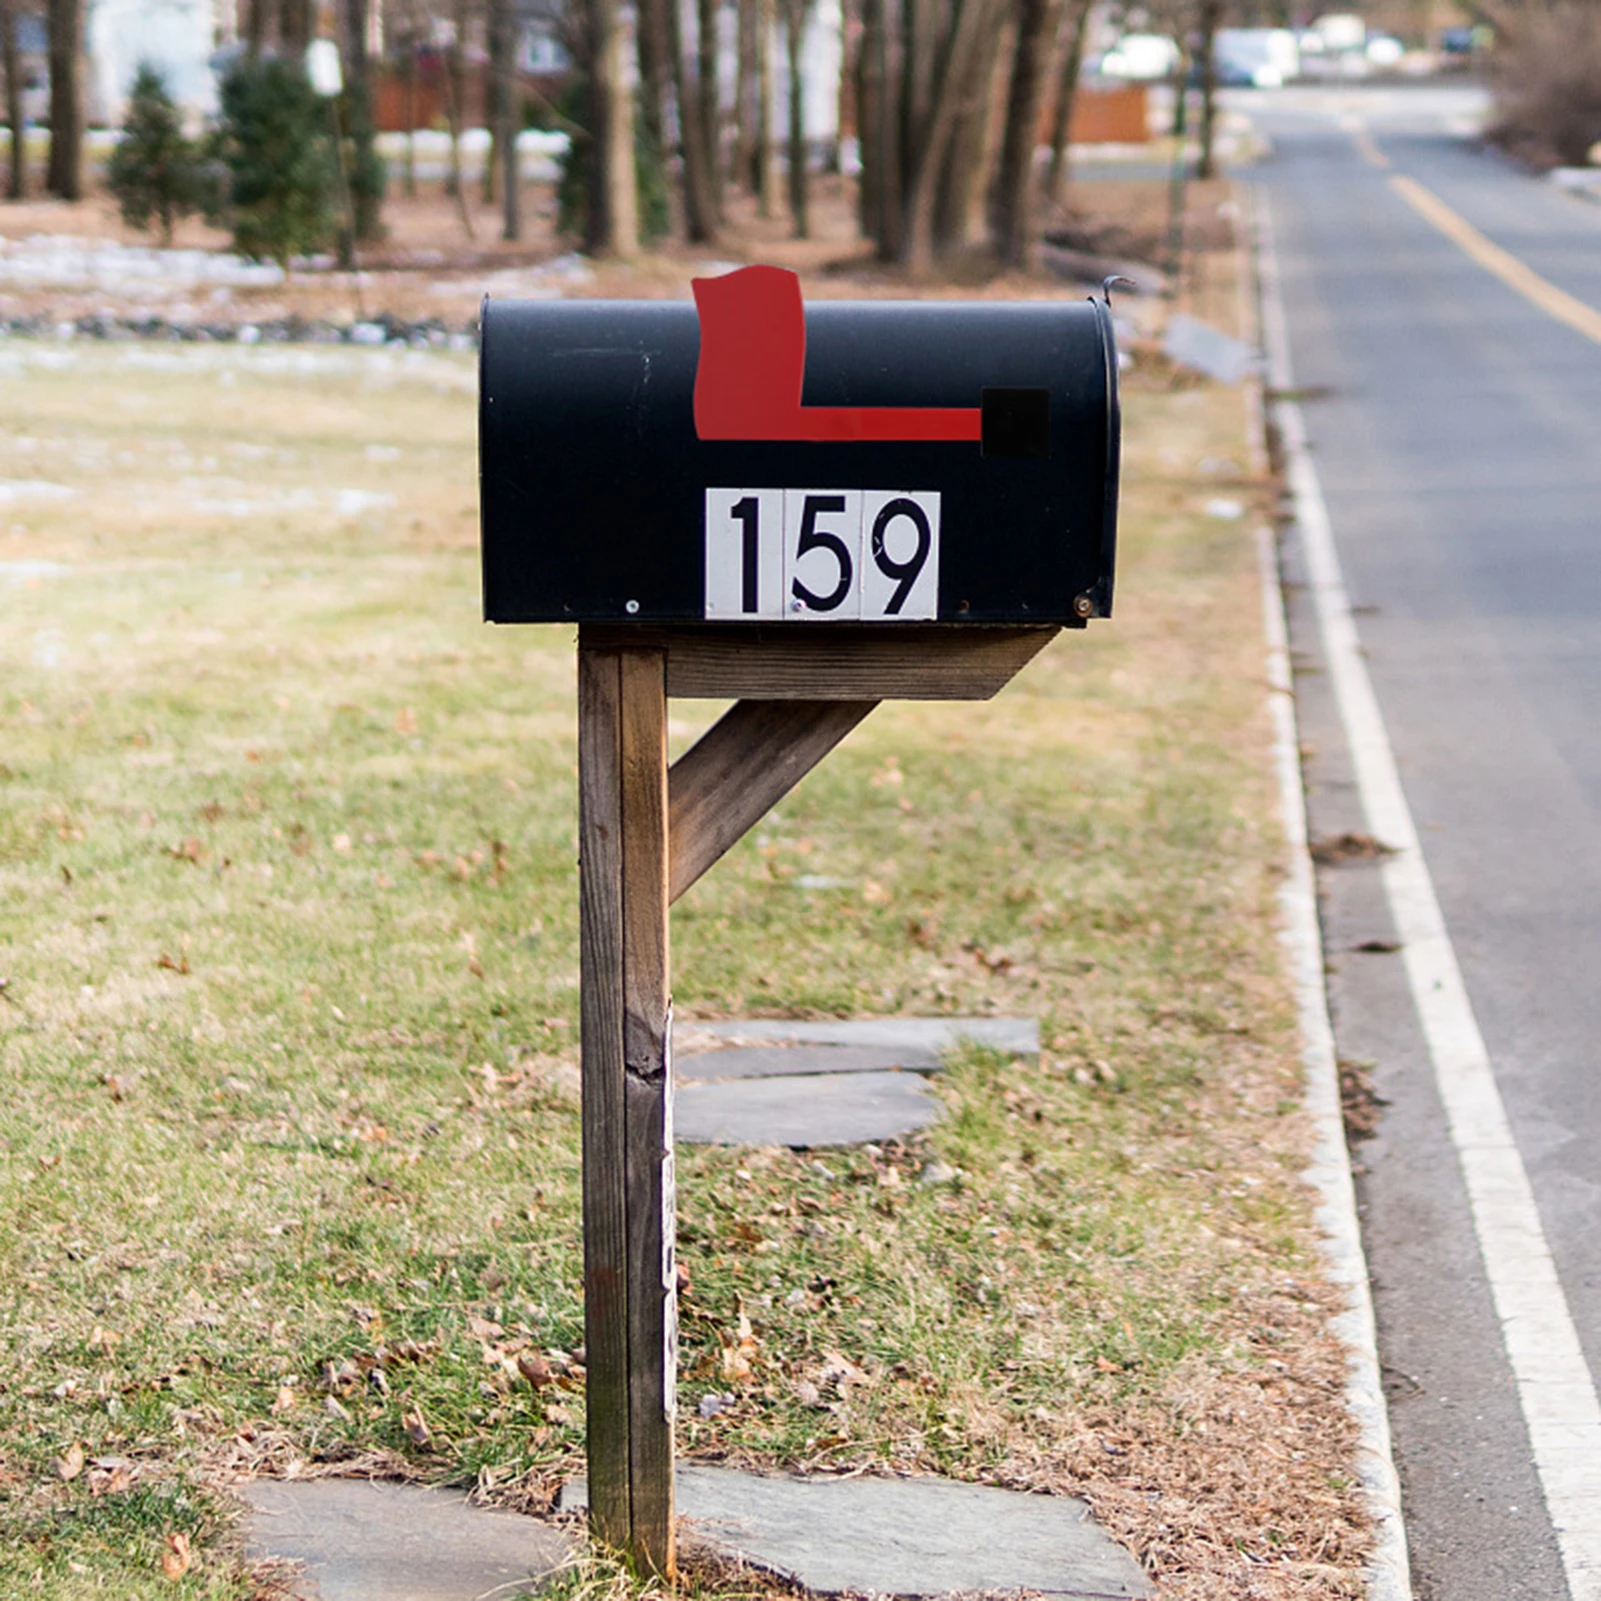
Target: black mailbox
column 744, row 460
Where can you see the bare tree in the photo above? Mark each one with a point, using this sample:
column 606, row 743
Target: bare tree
column 970, row 161
column 765, row 178
column 745, row 94
column 706, row 79
column 796, row 15
column 878, row 103
column 1208, row 19
column 927, row 152
column 1012, row 212
column 11, row 65
column 1071, row 63
column 452, row 78
column 700, row 203
column 503, row 65
column 64, row 177
column 611, row 217
column 296, row 26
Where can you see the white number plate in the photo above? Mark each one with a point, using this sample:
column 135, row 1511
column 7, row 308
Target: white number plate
column 822, row 555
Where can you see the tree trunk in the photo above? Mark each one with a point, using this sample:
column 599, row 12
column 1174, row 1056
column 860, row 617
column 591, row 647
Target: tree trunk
column 766, row 178
column 612, row 223
column 655, row 77
column 1066, row 96
column 11, row 64
column 255, row 26
column 964, row 180
column 706, row 84
column 503, row 31
column 1013, row 212
column 295, row 27
column 745, row 97
column 367, row 183
column 869, row 99
column 1210, row 16
column 409, row 79
column 452, row 77
column 795, row 17
column 700, row 218
column 65, row 179
column 881, row 93
column 926, row 162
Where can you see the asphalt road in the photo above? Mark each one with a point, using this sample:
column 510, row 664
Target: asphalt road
column 1456, row 428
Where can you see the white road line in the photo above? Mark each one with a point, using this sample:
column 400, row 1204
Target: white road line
column 1555, row 1389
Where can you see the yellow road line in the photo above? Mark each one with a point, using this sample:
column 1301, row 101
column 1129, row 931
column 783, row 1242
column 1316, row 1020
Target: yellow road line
column 1512, row 272
column 1367, row 149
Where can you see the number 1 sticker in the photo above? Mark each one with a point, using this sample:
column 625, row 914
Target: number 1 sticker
column 744, row 553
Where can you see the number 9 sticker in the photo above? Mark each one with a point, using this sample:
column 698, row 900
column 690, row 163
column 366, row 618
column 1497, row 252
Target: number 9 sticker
column 822, row 555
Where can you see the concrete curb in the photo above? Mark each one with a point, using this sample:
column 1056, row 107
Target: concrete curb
column 1389, row 1574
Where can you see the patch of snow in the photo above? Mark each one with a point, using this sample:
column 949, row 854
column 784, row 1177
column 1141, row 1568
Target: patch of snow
column 12, row 489
column 353, row 502
column 20, row 572
column 63, row 261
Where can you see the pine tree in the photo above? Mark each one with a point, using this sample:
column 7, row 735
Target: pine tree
column 154, row 172
column 278, row 155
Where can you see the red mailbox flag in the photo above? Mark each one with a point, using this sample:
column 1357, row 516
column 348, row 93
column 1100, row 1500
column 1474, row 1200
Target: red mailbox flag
column 753, row 363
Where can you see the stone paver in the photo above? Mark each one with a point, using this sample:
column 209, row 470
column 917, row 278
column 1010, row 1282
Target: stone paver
column 901, row 1537
column 804, row 1111
column 1019, row 1035
column 797, row 1061
column 364, row 1540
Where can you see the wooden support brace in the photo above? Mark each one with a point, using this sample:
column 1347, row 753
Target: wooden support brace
column 740, row 769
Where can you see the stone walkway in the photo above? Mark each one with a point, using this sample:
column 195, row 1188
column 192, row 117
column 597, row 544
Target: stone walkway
column 363, row 1540
column 763, row 1081
column 900, row 1537
column 741, row 1082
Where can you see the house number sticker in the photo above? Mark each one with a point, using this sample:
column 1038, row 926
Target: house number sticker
column 822, row 555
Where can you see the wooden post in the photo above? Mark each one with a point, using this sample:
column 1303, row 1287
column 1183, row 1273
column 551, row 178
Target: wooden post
column 630, row 1305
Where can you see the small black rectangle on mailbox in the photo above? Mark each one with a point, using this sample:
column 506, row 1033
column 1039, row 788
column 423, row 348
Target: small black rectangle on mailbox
column 740, row 461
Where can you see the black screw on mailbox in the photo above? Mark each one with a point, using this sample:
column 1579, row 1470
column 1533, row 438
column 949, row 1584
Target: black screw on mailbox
column 806, row 511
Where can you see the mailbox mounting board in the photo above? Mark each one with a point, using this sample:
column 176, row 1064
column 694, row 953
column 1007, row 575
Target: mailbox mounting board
column 601, row 502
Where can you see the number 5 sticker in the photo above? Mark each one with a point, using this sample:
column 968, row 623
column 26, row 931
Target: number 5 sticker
column 822, row 555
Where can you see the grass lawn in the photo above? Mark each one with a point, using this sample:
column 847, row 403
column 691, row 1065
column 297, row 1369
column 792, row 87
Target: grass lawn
column 288, row 943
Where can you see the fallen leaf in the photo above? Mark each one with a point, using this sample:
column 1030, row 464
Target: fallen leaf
column 191, row 850
column 70, row 1463
column 341, row 843
column 405, row 721
column 535, row 1369
column 416, row 1427
column 482, row 1328
column 179, row 966
column 285, row 1400
column 1338, row 848
column 177, row 1558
